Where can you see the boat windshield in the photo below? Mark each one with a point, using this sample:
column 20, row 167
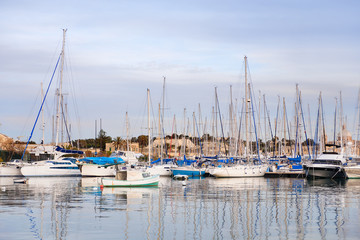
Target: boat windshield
column 333, row 162
column 146, row 174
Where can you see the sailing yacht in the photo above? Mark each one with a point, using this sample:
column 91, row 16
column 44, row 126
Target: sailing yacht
column 56, row 165
column 249, row 168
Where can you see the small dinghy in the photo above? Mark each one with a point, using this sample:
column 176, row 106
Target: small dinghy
column 20, row 180
column 180, row 177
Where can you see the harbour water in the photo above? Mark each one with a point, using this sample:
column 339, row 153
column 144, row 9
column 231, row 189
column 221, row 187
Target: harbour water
column 209, row 208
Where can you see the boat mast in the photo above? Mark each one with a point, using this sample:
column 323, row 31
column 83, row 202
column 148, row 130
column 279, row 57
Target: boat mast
column 284, row 119
column 127, row 132
column 162, row 123
column 246, row 112
column 334, row 147
column 42, row 116
column 341, row 124
column 60, row 89
column 149, row 136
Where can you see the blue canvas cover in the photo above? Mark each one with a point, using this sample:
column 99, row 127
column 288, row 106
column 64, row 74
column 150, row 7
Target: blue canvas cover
column 102, row 160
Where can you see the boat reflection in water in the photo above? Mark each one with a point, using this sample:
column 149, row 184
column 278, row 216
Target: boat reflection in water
column 240, row 208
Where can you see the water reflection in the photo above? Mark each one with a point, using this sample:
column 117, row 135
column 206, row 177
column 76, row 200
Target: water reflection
column 243, row 208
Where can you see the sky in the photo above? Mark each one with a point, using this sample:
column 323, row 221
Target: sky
column 116, row 50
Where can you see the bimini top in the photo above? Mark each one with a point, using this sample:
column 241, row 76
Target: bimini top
column 102, row 160
column 63, row 150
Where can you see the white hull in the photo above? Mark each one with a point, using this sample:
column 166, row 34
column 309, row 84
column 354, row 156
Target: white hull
column 162, row 170
column 95, row 170
column 149, row 181
column 48, row 169
column 10, row 171
column 239, row 171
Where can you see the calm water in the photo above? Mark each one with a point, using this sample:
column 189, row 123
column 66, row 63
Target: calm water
column 255, row 208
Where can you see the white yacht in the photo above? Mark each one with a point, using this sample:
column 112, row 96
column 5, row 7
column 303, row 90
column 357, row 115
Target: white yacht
column 128, row 156
column 54, row 167
column 163, row 170
column 239, row 170
column 327, row 165
column 51, row 168
column 11, row 169
column 99, row 166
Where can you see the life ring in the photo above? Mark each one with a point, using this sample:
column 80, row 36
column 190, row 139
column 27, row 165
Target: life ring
column 203, row 165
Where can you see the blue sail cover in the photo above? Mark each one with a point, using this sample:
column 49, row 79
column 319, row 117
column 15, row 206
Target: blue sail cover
column 165, row 160
column 102, row 160
column 63, row 150
column 295, row 160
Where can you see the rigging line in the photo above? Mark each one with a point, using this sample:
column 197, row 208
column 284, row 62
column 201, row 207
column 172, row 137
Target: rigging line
column 288, row 129
column 316, row 132
column 240, row 123
column 47, row 90
column 256, row 137
column 222, row 129
column 202, row 154
column 64, row 119
column 303, row 119
column 276, row 124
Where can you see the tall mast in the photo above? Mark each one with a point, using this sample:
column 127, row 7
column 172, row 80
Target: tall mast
column 60, row 88
column 127, row 132
column 42, row 116
column 149, row 136
column 341, row 124
column 335, row 126
column 160, row 133
column 231, row 123
column 246, row 112
column 284, row 119
column 184, row 133
column 265, row 140
column 162, row 122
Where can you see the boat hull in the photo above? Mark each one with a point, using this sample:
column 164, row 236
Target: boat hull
column 10, row 171
column 146, row 182
column 95, row 170
column 239, row 171
column 162, row 170
column 314, row 171
column 50, row 171
column 191, row 172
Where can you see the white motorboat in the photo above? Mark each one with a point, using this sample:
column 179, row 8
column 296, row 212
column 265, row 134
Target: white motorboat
column 131, row 178
column 327, row 165
column 128, row 156
column 51, row 168
column 11, row 169
column 99, row 166
column 236, row 171
column 162, row 170
column 96, row 170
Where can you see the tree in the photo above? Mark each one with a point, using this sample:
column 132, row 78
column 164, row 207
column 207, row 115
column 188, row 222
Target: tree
column 143, row 141
column 103, row 139
column 117, row 142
